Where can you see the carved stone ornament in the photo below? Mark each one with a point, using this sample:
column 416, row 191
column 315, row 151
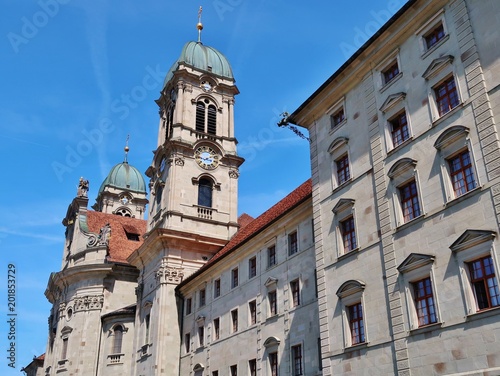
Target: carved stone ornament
column 234, row 174
column 168, row 274
column 87, row 303
column 179, row 161
column 102, row 238
column 139, row 289
column 62, row 309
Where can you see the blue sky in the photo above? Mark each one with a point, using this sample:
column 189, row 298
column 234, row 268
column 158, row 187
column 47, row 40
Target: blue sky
column 68, row 65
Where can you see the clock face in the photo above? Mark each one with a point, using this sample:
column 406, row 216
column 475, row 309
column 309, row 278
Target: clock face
column 206, row 157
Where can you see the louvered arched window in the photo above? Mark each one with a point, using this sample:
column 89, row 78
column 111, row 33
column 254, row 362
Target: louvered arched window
column 206, row 117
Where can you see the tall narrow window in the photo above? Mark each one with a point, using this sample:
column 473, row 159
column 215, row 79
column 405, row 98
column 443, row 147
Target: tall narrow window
column 292, row 243
column 217, row 288
column 295, row 290
column 212, row 119
column 64, row 350
column 424, row 302
column 399, row 129
column 189, row 306
column 484, row 283
column 200, row 117
column 252, row 307
column 356, row 324
column 187, row 342
column 234, row 278
column 409, row 201
column 201, row 335
column 117, row 339
column 234, row 370
column 146, row 324
column 343, row 171
column 297, row 360
column 234, row 320
column 252, row 267
column 202, row 297
column 273, row 302
column 271, row 256
column 252, row 367
column 446, row 96
column 216, row 328
column 461, row 173
column 205, row 192
column 348, row 233
column 159, row 193
column 273, row 363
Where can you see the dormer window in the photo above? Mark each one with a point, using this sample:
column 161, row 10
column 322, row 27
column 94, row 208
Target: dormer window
column 132, row 236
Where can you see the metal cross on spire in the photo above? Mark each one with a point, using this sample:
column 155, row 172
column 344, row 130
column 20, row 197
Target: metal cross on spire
column 199, row 26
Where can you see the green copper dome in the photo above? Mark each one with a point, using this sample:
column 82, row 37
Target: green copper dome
column 204, row 58
column 124, row 176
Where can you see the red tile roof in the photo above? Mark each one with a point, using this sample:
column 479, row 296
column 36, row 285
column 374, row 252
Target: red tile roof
column 245, row 219
column 295, row 198
column 119, row 246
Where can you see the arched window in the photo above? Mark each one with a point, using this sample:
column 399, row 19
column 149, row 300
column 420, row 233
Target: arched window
column 117, row 339
column 159, row 192
column 200, row 117
column 205, row 192
column 206, row 118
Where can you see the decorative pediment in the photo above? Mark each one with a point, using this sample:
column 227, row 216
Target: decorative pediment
column 349, row 288
column 271, row 282
column 391, row 101
column 401, row 166
column 415, row 261
column 451, row 135
column 471, row 238
column 198, row 367
column 66, row 330
column 343, row 204
column 437, row 65
column 271, row 341
column 337, row 143
column 200, row 319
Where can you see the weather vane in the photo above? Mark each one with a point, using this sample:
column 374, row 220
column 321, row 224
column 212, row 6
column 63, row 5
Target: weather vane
column 199, row 26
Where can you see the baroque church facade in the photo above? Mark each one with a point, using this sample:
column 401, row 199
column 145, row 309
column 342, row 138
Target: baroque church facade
column 384, row 263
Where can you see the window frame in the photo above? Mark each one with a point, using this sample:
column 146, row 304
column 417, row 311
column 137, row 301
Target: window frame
column 485, row 282
column 439, row 99
column 297, row 360
column 343, row 169
column 189, row 306
column 350, row 293
column 271, row 256
column 273, row 363
column 464, row 169
column 217, row 288
column 252, row 312
column 234, row 320
column 426, row 29
column 295, row 293
column 252, row 267
column 293, row 242
column 252, row 367
column 235, row 279
column 187, row 342
column 339, row 149
column 201, row 336
column 355, row 317
column 272, row 299
column 202, row 295
column 404, row 128
column 216, row 325
column 333, row 111
column 343, row 211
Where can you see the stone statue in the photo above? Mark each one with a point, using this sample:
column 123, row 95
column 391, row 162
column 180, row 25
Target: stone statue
column 83, row 188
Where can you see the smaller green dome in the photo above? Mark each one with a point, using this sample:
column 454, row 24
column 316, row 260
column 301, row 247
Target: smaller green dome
column 205, row 58
column 124, row 176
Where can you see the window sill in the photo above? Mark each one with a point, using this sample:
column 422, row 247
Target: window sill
column 338, row 126
column 347, row 255
column 400, row 146
column 357, row 346
column 483, row 314
column 436, row 46
column 425, row 329
column 463, row 197
column 391, row 82
column 410, row 222
column 339, row 187
column 447, row 115
column 274, row 317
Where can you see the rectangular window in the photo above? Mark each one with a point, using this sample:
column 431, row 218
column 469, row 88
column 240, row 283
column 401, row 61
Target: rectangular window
column 273, row 303
column 234, row 278
column 356, row 324
column 348, row 233
column 202, row 297
column 446, row 96
column 399, row 129
column 217, row 328
column 215, row 373
column 252, row 367
column 252, row 267
column 201, row 335
column 338, row 117
column 297, row 360
column 234, row 370
column 64, row 350
column 390, row 72
column 189, row 306
column 343, row 172
column 484, row 283
column 271, row 256
column 292, row 243
column 424, row 302
column 234, row 320
column 252, row 307
column 295, row 290
column 146, row 322
column 409, row 201
column 217, row 288
column 461, row 173
column 187, row 342
column 435, row 35
column 273, row 363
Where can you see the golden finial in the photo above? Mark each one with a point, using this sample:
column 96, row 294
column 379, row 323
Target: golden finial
column 126, row 149
column 199, row 26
